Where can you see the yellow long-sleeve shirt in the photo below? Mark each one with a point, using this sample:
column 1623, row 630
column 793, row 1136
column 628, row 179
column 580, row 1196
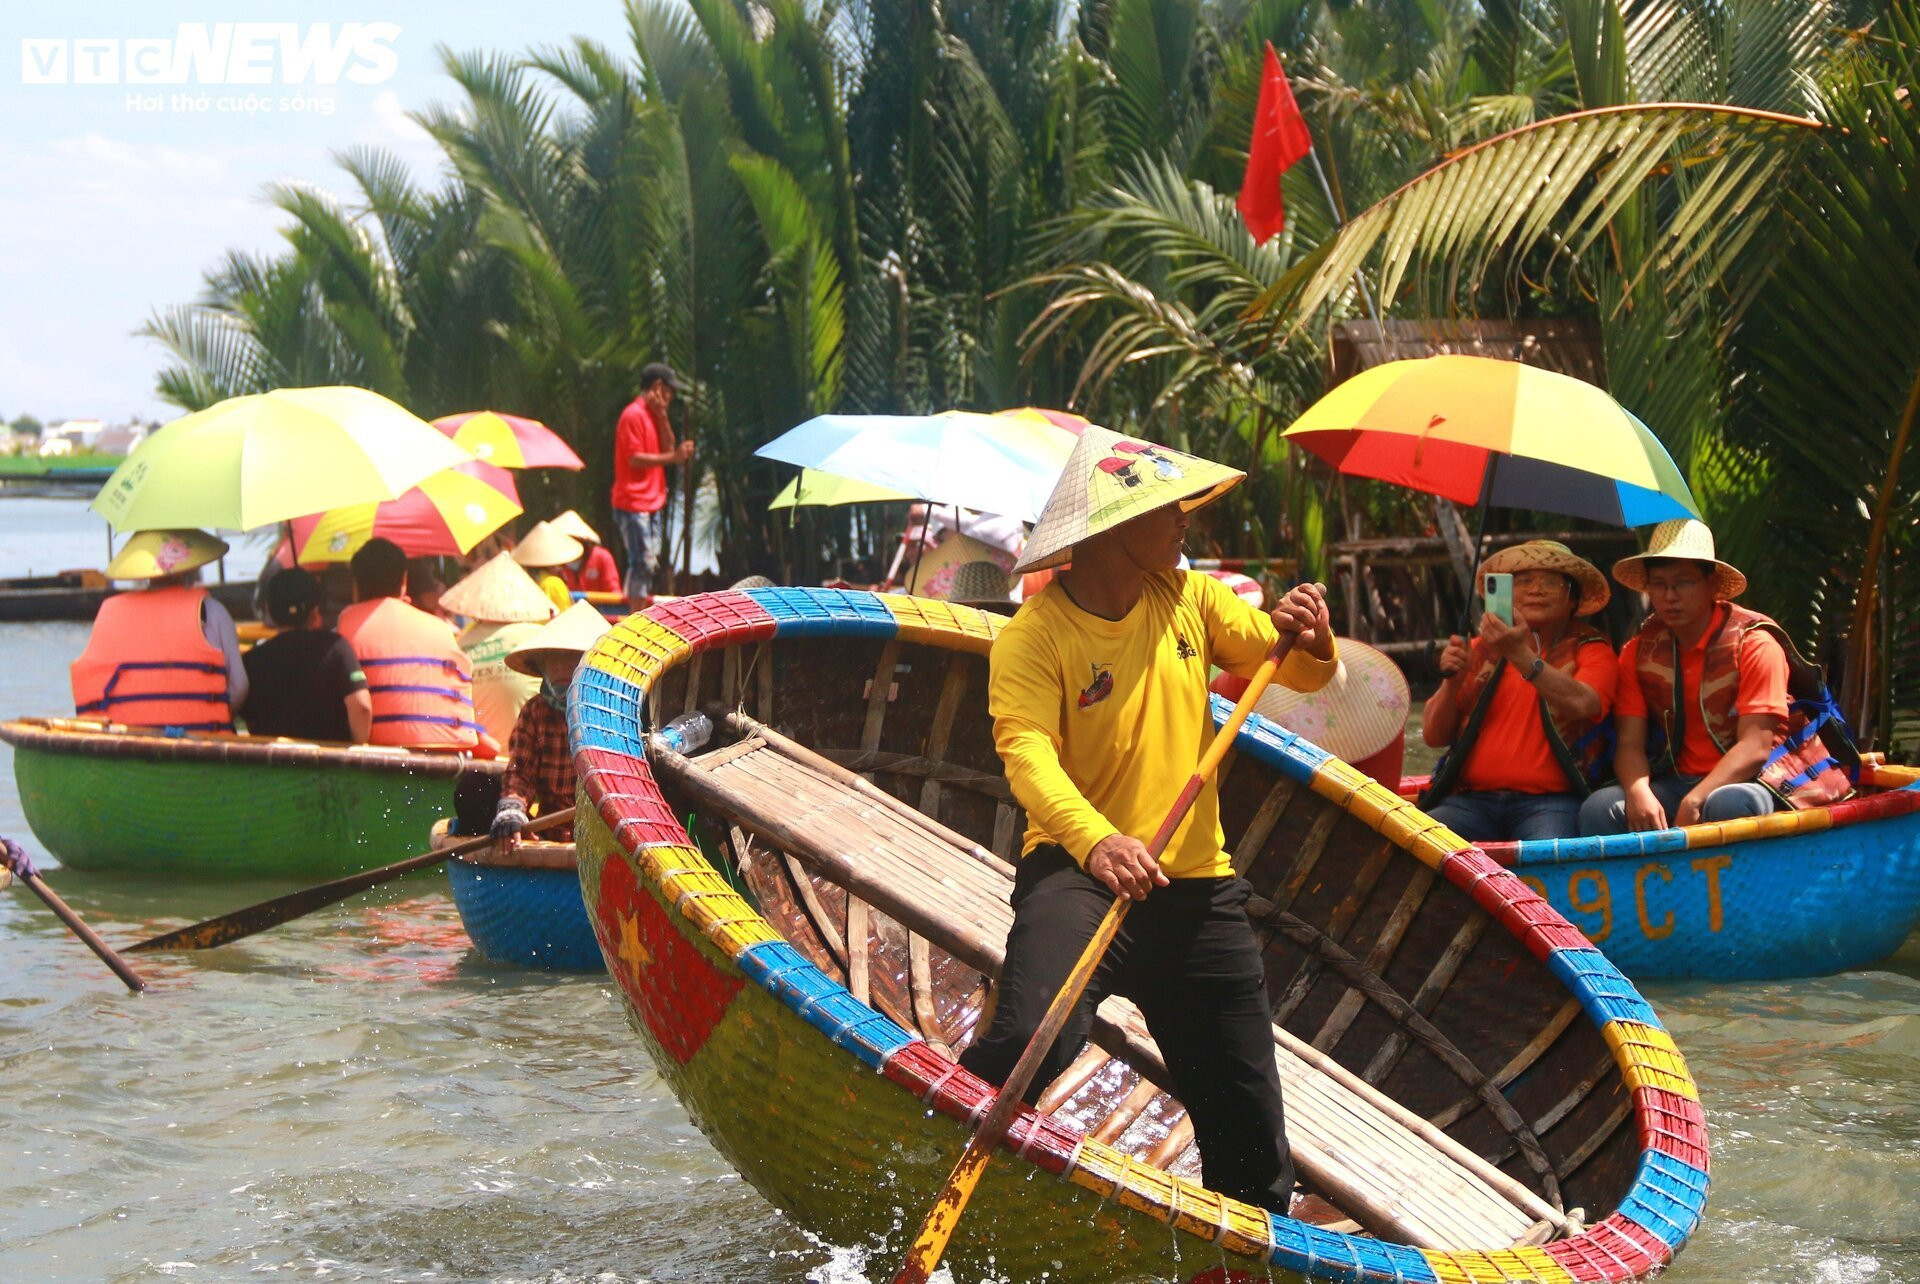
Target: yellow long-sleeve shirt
column 1101, row 722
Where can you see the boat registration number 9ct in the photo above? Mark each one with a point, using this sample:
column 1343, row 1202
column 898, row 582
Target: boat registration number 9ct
column 1654, row 897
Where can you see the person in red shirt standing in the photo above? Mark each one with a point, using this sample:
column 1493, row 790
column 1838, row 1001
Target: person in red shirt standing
column 643, row 446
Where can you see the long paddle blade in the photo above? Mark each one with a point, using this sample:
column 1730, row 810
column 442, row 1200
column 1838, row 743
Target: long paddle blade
column 952, row 1200
column 281, row 909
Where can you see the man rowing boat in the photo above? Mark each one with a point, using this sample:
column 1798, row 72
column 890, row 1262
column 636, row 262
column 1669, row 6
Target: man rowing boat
column 1099, row 697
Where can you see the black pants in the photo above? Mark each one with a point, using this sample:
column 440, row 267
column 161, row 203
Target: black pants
column 1187, row 958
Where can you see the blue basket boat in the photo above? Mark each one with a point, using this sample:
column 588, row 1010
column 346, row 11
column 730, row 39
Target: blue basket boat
column 524, row 908
column 1797, row 893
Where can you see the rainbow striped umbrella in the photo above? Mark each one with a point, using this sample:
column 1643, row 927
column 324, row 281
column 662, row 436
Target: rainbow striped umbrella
column 1482, row 431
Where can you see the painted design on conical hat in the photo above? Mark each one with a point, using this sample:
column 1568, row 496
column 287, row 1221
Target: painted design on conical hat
column 499, row 592
column 150, row 555
column 1110, row 479
column 574, row 630
column 544, row 546
column 571, row 523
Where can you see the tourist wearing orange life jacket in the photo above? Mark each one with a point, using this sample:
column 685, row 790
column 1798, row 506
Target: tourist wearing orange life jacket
column 1522, row 711
column 167, row 655
column 1718, row 716
column 420, row 679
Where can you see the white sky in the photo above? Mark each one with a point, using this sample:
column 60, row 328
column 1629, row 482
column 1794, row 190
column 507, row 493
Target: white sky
column 111, row 207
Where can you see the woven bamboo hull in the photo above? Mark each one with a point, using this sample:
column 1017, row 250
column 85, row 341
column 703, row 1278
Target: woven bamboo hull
column 231, row 806
column 1532, row 1051
column 524, row 909
column 1794, row 894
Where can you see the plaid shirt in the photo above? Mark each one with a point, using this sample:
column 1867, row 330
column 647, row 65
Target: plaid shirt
column 540, row 763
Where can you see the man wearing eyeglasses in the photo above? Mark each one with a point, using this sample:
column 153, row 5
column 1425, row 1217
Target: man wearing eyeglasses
column 1717, row 715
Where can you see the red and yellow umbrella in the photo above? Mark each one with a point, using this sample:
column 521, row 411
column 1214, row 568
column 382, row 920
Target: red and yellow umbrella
column 508, row 441
column 444, row 516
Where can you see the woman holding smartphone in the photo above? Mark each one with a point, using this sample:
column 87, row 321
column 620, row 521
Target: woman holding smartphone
column 1522, row 711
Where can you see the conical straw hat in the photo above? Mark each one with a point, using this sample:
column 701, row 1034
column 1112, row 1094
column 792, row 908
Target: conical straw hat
column 1356, row 715
column 1683, row 538
column 571, row 523
column 499, row 592
column 1110, row 479
column 544, row 546
column 150, row 555
column 977, row 582
column 573, row 631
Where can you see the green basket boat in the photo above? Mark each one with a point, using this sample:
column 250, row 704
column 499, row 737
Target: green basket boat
column 1473, row 1092
column 106, row 797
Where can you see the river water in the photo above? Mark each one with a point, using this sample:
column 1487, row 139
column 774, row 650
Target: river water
column 354, row 1096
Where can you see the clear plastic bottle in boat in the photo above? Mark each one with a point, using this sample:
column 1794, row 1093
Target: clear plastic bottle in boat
column 687, row 733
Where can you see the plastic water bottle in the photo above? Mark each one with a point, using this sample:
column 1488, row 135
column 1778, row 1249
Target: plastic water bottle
column 687, row 733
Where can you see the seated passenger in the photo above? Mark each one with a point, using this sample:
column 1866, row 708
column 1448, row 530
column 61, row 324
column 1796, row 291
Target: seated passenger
column 1522, row 708
column 1706, row 730
column 539, row 775
column 595, row 572
column 306, row 681
column 420, row 679
column 543, row 551
column 166, row 655
column 506, row 608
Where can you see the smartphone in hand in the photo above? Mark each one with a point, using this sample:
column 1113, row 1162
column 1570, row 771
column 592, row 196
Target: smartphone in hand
column 1497, row 588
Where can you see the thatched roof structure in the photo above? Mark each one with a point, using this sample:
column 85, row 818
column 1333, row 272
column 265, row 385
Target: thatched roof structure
column 1568, row 345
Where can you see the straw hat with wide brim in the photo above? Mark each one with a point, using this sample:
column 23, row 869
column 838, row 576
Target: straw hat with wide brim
column 1551, row 555
column 152, row 555
column 1358, row 713
column 499, row 591
column 1684, row 539
column 544, row 546
column 571, row 523
column 572, row 631
column 1110, row 479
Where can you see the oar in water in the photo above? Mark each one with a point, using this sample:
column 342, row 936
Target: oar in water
column 13, row 857
column 953, row 1197
column 258, row 918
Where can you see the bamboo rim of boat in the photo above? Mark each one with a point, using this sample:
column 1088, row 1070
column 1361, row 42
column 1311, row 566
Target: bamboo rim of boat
column 85, row 737
column 1652, row 1220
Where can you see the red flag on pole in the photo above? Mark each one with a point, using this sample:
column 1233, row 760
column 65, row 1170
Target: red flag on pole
column 1280, row 138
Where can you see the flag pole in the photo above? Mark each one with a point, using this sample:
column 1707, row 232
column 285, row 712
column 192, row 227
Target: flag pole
column 1333, row 208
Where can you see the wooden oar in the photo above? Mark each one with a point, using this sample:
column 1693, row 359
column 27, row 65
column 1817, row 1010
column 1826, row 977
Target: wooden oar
column 953, row 1197
column 258, row 918
column 16, row 859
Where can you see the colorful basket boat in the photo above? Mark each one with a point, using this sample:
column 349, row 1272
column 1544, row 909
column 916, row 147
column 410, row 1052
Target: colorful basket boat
column 1462, row 1070
column 1797, row 893
column 523, row 908
column 106, row 797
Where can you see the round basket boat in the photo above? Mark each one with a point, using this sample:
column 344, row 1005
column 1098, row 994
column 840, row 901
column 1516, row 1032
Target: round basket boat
column 101, row 796
column 523, row 908
column 1472, row 1091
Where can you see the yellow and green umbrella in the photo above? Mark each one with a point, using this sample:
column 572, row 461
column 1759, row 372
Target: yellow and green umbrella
column 815, row 487
column 1482, row 431
column 269, row 457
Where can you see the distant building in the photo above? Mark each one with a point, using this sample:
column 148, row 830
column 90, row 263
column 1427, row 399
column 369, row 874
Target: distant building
column 51, row 446
column 79, row 434
column 121, row 438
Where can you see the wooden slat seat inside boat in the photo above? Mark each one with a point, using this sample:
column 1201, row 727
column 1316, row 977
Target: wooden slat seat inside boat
column 1391, row 1171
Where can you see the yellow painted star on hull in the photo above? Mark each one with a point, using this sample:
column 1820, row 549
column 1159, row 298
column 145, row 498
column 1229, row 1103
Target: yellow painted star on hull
column 632, row 952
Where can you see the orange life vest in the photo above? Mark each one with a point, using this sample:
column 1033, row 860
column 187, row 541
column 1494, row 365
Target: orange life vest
column 148, row 663
column 1582, row 746
column 420, row 680
column 1812, row 763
